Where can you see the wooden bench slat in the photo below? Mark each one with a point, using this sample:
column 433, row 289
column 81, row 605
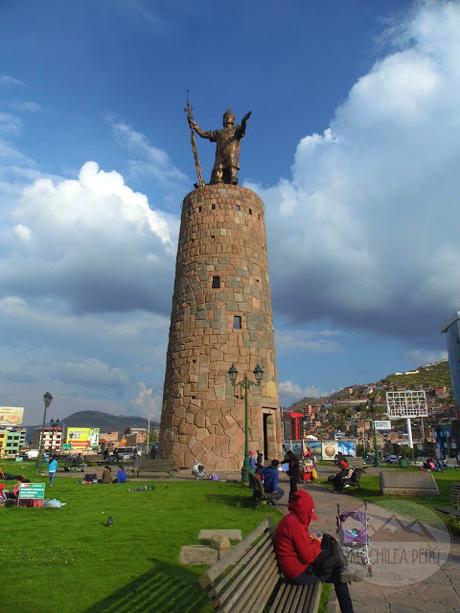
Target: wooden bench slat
column 234, row 555
column 250, row 596
column 236, row 592
column 222, row 581
column 260, row 602
column 278, row 597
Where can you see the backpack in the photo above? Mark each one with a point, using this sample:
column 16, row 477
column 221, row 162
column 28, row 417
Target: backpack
column 330, row 560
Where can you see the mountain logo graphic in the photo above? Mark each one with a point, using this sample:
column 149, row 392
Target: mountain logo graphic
column 394, row 529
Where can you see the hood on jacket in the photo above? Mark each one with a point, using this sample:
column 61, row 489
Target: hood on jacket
column 303, row 507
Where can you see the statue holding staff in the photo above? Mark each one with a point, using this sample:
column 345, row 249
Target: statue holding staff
column 227, row 162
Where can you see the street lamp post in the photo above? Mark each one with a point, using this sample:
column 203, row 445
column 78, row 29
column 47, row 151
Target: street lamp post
column 47, row 398
column 376, row 451
column 245, row 384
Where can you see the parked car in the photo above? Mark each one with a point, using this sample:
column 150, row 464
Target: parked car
column 124, row 453
column 391, row 459
column 32, row 454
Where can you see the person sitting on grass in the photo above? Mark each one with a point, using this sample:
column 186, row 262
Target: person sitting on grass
column 121, row 475
column 271, row 478
column 297, row 550
column 106, row 475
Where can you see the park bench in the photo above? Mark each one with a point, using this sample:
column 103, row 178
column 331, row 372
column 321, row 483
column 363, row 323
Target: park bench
column 153, row 468
column 95, row 458
column 357, row 462
column 247, row 579
column 258, row 492
column 454, row 507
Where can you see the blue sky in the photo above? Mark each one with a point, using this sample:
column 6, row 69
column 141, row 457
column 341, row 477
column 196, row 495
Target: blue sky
column 353, row 145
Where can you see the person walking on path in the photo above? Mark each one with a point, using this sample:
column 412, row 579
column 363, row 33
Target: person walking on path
column 293, row 473
column 297, row 550
column 52, row 469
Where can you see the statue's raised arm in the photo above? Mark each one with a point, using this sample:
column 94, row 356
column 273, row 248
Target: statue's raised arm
column 227, row 162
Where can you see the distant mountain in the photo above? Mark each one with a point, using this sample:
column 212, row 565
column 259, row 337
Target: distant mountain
column 434, row 375
column 104, row 421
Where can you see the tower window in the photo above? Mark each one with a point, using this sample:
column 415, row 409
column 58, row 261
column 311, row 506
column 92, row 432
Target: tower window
column 216, row 282
column 237, row 322
column 213, row 206
column 250, row 211
column 199, row 209
column 238, row 208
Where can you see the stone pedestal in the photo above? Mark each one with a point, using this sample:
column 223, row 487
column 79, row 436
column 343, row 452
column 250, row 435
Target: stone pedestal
column 221, row 315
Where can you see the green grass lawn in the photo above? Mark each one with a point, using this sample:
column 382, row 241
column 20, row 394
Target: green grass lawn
column 66, row 559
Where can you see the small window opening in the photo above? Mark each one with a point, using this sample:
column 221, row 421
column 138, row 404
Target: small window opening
column 213, row 236
column 258, row 216
column 213, row 206
column 250, row 211
column 189, row 212
column 216, row 282
column 199, row 209
column 237, row 322
column 238, row 208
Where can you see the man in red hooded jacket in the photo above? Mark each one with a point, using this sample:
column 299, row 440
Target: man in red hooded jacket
column 296, row 549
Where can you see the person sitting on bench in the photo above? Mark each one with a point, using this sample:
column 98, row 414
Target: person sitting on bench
column 271, row 478
column 343, row 476
column 297, row 550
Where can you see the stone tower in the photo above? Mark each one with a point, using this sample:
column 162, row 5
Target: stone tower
column 221, row 315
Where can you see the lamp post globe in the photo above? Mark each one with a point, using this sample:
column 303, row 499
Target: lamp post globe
column 47, row 399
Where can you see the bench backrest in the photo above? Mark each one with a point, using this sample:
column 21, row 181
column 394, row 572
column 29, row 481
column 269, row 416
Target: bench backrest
column 157, row 464
column 244, row 579
column 455, row 496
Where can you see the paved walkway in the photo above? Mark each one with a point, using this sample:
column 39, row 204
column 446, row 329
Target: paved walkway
column 438, row 593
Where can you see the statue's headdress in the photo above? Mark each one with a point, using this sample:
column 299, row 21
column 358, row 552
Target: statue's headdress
column 229, row 117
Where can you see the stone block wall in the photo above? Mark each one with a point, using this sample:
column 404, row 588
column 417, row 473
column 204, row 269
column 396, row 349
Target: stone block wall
column 221, row 282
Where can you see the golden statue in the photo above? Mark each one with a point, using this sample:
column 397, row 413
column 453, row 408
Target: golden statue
column 227, row 162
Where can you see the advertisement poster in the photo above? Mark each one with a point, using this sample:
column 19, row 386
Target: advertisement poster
column 329, row 449
column 315, row 448
column 83, row 438
column 11, row 416
column 347, row 448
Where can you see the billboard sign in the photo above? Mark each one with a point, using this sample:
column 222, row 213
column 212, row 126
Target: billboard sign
column 347, row 448
column 329, row 449
column 11, row 416
column 382, row 424
column 83, row 438
column 408, row 403
column 31, row 491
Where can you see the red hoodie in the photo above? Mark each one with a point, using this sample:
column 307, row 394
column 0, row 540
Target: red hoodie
column 295, row 548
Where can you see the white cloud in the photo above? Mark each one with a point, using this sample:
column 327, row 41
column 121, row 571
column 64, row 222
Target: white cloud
column 364, row 233
column 22, row 232
column 10, row 124
column 290, row 392
column 301, row 340
column 8, row 83
column 148, row 403
column 92, row 242
column 26, row 106
column 420, row 357
column 149, row 159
